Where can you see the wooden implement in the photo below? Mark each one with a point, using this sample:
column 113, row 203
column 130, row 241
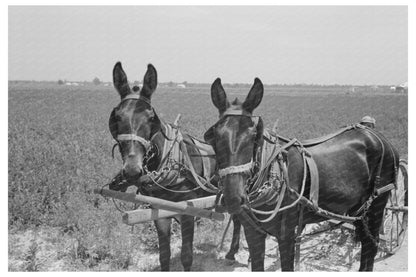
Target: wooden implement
column 183, row 207
column 143, row 215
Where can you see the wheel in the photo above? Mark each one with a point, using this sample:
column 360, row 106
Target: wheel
column 394, row 227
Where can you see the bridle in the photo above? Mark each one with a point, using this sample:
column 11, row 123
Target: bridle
column 235, row 169
column 246, row 168
column 148, row 145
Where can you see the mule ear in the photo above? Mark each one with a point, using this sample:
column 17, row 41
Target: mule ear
column 149, row 82
column 218, row 96
column 120, row 80
column 254, row 97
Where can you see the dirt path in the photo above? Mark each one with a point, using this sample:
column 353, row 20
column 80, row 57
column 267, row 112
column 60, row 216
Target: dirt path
column 331, row 251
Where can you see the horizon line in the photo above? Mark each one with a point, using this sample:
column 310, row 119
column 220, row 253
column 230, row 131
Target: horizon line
column 203, row 83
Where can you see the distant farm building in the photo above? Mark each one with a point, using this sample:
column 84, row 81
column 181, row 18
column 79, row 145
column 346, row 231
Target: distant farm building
column 181, row 86
column 352, row 89
column 400, row 88
column 71, row 84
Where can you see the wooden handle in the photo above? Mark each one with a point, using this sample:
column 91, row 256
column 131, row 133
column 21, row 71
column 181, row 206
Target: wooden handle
column 177, row 119
column 183, row 207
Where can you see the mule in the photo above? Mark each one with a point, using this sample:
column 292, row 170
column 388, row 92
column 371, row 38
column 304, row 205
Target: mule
column 350, row 166
column 141, row 136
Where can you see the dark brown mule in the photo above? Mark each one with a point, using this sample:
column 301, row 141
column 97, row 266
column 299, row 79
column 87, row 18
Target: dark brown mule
column 347, row 164
column 136, row 119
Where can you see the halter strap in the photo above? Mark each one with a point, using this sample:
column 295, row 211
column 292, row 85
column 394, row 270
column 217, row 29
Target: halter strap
column 133, row 137
column 243, row 168
column 135, row 96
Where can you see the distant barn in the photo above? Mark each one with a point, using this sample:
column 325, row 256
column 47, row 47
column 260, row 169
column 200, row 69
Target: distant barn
column 400, row 88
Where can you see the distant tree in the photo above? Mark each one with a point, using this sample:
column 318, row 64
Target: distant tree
column 171, row 84
column 60, row 82
column 96, row 81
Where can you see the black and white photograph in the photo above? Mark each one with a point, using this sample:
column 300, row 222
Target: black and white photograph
column 206, row 137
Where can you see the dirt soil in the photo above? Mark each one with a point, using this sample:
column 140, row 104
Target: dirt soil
column 330, row 251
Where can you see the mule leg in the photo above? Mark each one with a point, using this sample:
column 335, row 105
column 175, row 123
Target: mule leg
column 369, row 243
column 163, row 231
column 187, row 230
column 256, row 245
column 235, row 243
column 286, row 239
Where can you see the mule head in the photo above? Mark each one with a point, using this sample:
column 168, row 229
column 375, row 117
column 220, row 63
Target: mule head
column 133, row 122
column 235, row 139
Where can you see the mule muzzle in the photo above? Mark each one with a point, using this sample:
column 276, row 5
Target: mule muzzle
column 234, row 196
column 234, row 205
column 132, row 170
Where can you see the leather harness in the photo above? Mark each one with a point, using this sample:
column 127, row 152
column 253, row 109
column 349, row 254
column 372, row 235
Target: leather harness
column 275, row 157
column 174, row 150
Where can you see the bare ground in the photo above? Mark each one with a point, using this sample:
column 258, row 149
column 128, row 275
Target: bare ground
column 330, row 251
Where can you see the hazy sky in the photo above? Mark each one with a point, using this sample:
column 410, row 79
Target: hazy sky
column 278, row 44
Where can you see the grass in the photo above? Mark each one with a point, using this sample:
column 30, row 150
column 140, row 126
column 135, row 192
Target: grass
column 60, row 149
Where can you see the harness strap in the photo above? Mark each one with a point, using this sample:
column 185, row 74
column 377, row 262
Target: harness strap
column 245, row 214
column 205, row 156
column 168, row 146
column 132, row 137
column 243, row 168
column 314, row 182
column 136, row 97
column 204, row 184
column 315, row 141
column 380, row 165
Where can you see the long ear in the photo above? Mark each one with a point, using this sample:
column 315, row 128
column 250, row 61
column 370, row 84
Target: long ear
column 120, row 80
column 218, row 96
column 149, row 82
column 254, row 97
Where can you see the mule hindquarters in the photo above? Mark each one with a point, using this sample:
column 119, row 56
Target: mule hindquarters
column 368, row 229
column 348, row 165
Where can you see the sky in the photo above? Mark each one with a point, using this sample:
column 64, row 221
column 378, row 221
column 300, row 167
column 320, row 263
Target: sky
column 358, row 45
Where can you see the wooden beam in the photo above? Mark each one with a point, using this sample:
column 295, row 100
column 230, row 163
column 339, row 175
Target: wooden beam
column 143, row 215
column 184, row 207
